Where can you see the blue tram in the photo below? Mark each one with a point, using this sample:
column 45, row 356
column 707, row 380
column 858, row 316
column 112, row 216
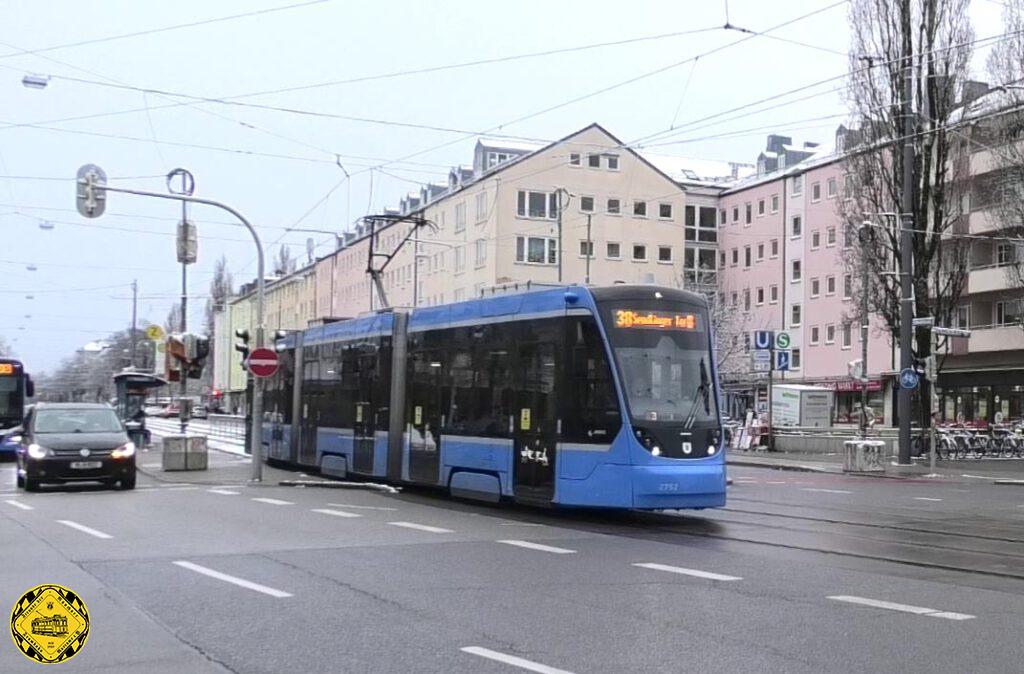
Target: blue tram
column 565, row 396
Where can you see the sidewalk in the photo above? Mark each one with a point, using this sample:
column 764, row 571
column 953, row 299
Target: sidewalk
column 1001, row 471
column 224, row 469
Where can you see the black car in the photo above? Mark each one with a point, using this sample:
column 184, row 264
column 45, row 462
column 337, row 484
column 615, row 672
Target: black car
column 74, row 442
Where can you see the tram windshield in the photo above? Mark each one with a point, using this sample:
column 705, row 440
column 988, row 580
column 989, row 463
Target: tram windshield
column 664, row 360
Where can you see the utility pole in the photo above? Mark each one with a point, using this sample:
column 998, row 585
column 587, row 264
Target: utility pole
column 906, row 249
column 135, row 300
column 560, row 191
column 864, row 323
column 187, row 253
column 590, row 251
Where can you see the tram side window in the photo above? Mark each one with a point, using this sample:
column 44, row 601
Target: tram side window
column 331, row 383
column 589, row 408
column 479, row 399
column 539, row 351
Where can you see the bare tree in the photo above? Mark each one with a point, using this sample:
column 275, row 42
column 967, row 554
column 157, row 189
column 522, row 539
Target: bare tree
column 221, row 288
column 284, row 263
column 925, row 40
column 5, row 348
column 173, row 321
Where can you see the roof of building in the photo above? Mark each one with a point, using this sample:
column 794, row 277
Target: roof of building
column 506, row 143
column 686, row 169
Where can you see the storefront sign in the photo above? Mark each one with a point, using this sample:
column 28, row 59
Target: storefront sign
column 850, row 385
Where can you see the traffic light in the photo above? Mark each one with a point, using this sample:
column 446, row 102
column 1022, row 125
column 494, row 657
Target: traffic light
column 177, row 354
column 199, row 351
column 276, row 337
column 242, row 346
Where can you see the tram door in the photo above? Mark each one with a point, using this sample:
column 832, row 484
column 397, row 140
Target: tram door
column 424, row 417
column 309, row 407
column 365, row 421
column 535, row 420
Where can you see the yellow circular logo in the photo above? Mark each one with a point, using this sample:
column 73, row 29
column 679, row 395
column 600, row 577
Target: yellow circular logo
column 50, row 624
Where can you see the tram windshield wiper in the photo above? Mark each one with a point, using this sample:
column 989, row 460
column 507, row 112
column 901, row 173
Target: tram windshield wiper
column 702, row 393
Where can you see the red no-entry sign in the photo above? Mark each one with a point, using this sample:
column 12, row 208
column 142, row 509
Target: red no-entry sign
column 263, row 363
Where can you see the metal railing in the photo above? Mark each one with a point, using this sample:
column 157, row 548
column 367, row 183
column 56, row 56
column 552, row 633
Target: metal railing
column 227, row 426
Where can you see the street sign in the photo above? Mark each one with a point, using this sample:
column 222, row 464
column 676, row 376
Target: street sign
column 761, row 361
column 763, row 339
column 155, row 333
column 782, row 340
column 909, row 378
column 262, row 363
column 188, row 242
column 90, row 197
column 923, row 322
column 951, row 332
column 783, row 360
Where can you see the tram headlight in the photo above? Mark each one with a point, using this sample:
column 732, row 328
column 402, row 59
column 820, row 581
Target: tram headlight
column 656, row 450
column 711, row 450
column 647, row 442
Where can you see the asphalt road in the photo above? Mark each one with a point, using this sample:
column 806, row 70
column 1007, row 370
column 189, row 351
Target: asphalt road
column 800, row 573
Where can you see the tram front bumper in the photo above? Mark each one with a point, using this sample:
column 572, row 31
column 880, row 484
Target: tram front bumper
column 678, row 485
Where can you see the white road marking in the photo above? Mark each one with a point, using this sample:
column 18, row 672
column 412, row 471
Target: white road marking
column 775, row 482
column 18, row 504
column 513, row 660
column 421, row 527
column 151, row 465
column 224, row 492
column 240, row 582
column 85, row 529
column 360, row 507
column 827, row 491
column 519, row 524
column 336, row 513
column 686, row 572
column 272, row 501
column 182, row 488
column 976, row 477
column 917, row 610
column 537, row 546
column 925, row 498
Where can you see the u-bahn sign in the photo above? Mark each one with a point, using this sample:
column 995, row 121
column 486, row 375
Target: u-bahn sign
column 262, row 363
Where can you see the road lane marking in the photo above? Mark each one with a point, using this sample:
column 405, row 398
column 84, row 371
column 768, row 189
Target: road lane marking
column 336, row 513
column 827, row 491
column 360, row 507
column 18, row 504
column 272, row 501
column 234, row 580
column 775, row 482
column 916, row 610
column 925, row 498
column 224, row 492
column 85, row 529
column 421, row 527
column 537, row 546
column 182, row 488
column 521, row 663
column 686, row 572
column 519, row 524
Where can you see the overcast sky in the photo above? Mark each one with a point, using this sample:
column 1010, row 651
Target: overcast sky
column 84, row 267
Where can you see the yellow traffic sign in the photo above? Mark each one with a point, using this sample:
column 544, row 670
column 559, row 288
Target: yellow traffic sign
column 155, row 333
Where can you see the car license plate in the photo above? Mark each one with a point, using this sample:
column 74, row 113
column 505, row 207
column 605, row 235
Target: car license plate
column 86, row 465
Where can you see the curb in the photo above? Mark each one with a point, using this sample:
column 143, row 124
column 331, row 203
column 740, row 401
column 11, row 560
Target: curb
column 1018, row 483
column 779, row 466
column 326, row 484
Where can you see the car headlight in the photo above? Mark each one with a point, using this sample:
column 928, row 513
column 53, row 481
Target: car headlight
column 124, row 451
column 13, row 439
column 37, row 452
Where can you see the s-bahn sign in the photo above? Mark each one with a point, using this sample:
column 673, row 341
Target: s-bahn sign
column 262, row 363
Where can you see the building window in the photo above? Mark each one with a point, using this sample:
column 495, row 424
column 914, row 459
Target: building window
column 460, row 216
column 815, row 287
column 775, row 247
column 746, row 299
column 735, row 256
column 830, row 236
column 481, row 206
column 830, row 188
column 797, row 271
column 734, row 298
column 460, row 294
column 759, row 294
column 775, row 203
column 760, row 252
column 847, row 286
column 1008, row 312
column 847, row 335
column 587, row 249
column 815, row 192
column 798, row 185
column 849, row 234
column 830, row 334
column 534, row 250
column 794, row 359
column 639, row 252
column 530, row 205
column 795, row 316
column 594, row 160
column 574, row 159
column 613, row 162
column 748, row 212
column 746, row 257
column 721, row 216
column 773, row 294
column 495, row 158
column 1006, row 254
column 460, row 259
column 721, row 259
column 815, row 336
column 735, row 213
column 798, row 225
column 665, row 253
column 665, row 211
column 962, row 318
column 640, row 209
column 830, row 285
column 587, row 204
column 614, row 207
column 760, row 207
column 815, row 240
column 613, row 251
column 481, row 252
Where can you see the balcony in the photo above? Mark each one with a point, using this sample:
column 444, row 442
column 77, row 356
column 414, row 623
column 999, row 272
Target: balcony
column 989, row 279
column 996, row 338
column 983, row 221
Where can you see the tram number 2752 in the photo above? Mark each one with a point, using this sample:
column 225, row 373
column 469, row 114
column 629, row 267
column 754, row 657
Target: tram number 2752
column 668, row 486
